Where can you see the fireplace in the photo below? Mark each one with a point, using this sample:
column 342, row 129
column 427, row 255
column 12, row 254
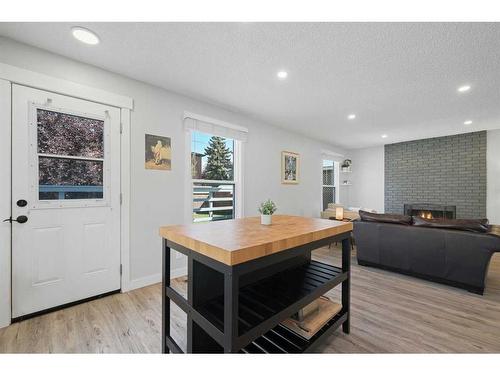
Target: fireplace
column 431, row 211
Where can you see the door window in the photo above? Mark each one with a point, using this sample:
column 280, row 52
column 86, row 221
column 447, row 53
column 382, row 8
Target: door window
column 70, row 151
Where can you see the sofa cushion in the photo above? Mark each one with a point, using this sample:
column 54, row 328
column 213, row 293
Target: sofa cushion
column 385, row 218
column 470, row 225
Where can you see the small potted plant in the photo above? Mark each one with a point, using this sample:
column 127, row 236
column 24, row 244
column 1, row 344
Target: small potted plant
column 267, row 209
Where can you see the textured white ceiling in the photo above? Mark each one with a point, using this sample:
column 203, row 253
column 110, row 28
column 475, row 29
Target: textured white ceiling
column 399, row 78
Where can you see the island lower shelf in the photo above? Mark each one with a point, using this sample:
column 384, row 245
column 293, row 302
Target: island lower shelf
column 273, row 299
column 281, row 340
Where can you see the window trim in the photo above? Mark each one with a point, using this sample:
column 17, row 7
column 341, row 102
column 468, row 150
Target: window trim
column 223, row 124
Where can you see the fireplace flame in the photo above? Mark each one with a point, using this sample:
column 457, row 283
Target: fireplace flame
column 426, row 215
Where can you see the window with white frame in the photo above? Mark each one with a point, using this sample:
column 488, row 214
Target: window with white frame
column 329, row 190
column 212, row 171
column 215, row 169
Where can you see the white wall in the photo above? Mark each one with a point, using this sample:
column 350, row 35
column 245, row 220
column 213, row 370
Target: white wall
column 367, row 190
column 493, row 177
column 157, row 196
column 263, row 168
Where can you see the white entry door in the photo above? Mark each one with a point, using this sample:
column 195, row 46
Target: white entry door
column 65, row 198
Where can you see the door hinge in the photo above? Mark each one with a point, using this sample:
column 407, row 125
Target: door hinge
column 121, row 128
column 121, row 198
column 121, row 269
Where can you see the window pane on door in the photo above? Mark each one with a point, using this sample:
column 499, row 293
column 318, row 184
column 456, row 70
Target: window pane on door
column 61, row 178
column 69, row 135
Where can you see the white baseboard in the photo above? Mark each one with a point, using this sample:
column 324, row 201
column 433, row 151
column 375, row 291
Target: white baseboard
column 144, row 281
column 178, row 272
column 5, row 320
column 154, row 279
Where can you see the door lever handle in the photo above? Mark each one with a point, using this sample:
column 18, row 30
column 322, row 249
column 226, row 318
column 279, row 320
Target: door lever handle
column 20, row 219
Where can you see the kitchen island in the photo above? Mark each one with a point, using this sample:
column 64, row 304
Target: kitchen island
column 245, row 278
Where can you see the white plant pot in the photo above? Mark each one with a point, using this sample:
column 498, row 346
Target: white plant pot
column 266, row 219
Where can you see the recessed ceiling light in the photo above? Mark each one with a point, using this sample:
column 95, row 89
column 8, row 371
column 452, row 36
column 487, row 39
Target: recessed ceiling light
column 85, row 35
column 352, row 116
column 384, row 135
column 282, row 74
column 463, row 88
column 468, row 122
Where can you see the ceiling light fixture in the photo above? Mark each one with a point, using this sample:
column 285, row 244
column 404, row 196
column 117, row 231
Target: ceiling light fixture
column 282, row 74
column 352, row 116
column 85, row 35
column 468, row 122
column 463, row 88
column 384, row 135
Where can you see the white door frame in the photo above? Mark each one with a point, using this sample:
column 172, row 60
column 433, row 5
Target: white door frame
column 5, row 202
column 13, row 74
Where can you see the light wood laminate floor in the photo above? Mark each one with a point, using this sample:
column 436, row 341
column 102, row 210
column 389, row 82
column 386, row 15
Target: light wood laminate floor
column 391, row 313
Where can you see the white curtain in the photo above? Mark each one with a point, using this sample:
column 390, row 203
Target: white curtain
column 216, row 128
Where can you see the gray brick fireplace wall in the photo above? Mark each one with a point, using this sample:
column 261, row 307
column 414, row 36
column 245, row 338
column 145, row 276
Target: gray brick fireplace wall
column 445, row 170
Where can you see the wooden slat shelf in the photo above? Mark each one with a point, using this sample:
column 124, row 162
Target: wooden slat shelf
column 266, row 299
column 280, row 339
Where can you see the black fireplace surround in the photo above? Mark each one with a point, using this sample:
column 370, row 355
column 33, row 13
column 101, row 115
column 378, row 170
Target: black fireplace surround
column 430, row 211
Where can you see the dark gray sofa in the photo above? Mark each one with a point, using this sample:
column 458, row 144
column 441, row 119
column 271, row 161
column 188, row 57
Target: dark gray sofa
column 448, row 256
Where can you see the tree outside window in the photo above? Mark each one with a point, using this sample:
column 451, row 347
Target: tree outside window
column 212, row 164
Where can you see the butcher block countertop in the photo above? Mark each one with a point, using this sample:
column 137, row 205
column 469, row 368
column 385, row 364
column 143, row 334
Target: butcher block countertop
column 241, row 240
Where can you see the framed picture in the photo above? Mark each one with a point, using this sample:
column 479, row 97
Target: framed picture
column 290, row 167
column 158, row 153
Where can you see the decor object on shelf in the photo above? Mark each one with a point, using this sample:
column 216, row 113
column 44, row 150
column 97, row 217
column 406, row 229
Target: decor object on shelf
column 158, row 152
column 306, row 311
column 346, row 165
column 267, row 209
column 290, row 167
column 312, row 323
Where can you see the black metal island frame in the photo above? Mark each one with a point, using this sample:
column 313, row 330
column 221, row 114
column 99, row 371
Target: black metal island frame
column 244, row 279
